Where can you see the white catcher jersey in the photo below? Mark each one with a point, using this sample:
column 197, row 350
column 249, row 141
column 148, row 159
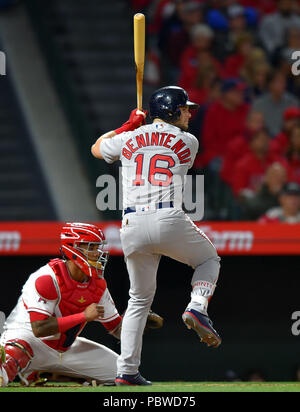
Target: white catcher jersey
column 155, row 160
column 30, row 300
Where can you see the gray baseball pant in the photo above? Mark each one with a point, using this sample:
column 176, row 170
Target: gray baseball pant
column 145, row 237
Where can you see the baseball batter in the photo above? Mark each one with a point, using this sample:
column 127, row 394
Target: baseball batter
column 41, row 333
column 155, row 159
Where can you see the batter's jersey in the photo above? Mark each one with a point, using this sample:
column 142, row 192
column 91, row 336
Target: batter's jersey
column 31, row 301
column 155, row 160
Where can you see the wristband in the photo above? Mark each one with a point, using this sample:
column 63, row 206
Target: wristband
column 68, row 322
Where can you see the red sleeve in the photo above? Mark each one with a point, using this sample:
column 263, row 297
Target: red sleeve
column 67, row 322
column 109, row 326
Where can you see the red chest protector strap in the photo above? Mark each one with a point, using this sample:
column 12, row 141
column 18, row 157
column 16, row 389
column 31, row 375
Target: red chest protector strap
column 61, row 272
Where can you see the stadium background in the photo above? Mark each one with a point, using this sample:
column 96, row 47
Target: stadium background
column 69, row 78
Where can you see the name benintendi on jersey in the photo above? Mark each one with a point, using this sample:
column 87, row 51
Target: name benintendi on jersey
column 155, row 159
column 159, row 139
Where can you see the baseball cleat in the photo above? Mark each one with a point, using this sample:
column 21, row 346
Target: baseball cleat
column 202, row 325
column 133, row 380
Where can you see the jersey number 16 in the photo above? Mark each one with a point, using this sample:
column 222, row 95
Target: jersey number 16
column 154, row 170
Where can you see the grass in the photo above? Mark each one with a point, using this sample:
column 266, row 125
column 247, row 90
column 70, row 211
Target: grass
column 173, row 387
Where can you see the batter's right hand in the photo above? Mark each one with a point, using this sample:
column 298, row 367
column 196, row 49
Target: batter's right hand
column 93, row 312
column 137, row 118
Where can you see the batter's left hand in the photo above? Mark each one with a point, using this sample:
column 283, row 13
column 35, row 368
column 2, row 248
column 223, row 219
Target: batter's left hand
column 137, row 118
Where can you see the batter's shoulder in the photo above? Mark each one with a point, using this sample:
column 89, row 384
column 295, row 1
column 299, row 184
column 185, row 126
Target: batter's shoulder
column 192, row 139
column 186, row 135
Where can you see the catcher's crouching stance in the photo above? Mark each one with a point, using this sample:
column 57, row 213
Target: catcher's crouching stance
column 41, row 333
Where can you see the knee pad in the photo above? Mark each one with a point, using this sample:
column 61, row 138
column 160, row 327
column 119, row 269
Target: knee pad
column 18, row 354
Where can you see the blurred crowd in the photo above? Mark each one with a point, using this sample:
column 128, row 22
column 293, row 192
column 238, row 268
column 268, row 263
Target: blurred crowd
column 238, row 61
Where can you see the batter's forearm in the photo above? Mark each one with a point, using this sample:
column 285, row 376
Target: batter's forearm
column 96, row 147
column 136, row 119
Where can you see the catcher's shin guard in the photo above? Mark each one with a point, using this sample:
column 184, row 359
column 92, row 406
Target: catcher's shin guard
column 16, row 356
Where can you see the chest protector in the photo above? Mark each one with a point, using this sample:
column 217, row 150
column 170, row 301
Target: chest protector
column 75, row 296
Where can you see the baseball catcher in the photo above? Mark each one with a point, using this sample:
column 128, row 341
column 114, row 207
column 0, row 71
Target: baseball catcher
column 41, row 333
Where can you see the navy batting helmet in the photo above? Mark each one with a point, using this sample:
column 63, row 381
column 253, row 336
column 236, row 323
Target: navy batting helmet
column 165, row 102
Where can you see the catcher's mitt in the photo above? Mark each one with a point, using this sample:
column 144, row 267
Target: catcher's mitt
column 154, row 321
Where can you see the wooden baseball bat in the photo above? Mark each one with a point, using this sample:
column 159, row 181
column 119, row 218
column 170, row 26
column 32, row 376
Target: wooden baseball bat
column 139, row 55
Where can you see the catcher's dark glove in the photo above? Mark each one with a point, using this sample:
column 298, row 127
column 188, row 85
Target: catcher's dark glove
column 154, row 321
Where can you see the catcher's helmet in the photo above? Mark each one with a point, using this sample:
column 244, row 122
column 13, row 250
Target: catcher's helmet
column 165, row 102
column 83, row 244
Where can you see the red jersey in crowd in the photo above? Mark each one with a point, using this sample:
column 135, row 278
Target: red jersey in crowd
column 249, row 171
column 294, row 169
column 276, row 215
column 234, row 64
column 279, row 144
column 219, row 127
column 237, row 147
column 189, row 67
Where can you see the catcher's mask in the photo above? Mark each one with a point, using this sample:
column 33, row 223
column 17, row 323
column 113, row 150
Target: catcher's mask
column 83, row 244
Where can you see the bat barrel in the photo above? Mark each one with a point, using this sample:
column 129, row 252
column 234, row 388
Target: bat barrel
column 139, row 38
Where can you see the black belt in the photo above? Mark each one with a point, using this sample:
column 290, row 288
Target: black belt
column 160, row 205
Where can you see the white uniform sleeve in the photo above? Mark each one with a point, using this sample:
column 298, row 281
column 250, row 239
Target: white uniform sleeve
column 34, row 302
column 111, row 148
column 110, row 310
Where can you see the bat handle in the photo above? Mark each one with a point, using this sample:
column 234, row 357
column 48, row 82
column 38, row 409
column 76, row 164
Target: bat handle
column 139, row 89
